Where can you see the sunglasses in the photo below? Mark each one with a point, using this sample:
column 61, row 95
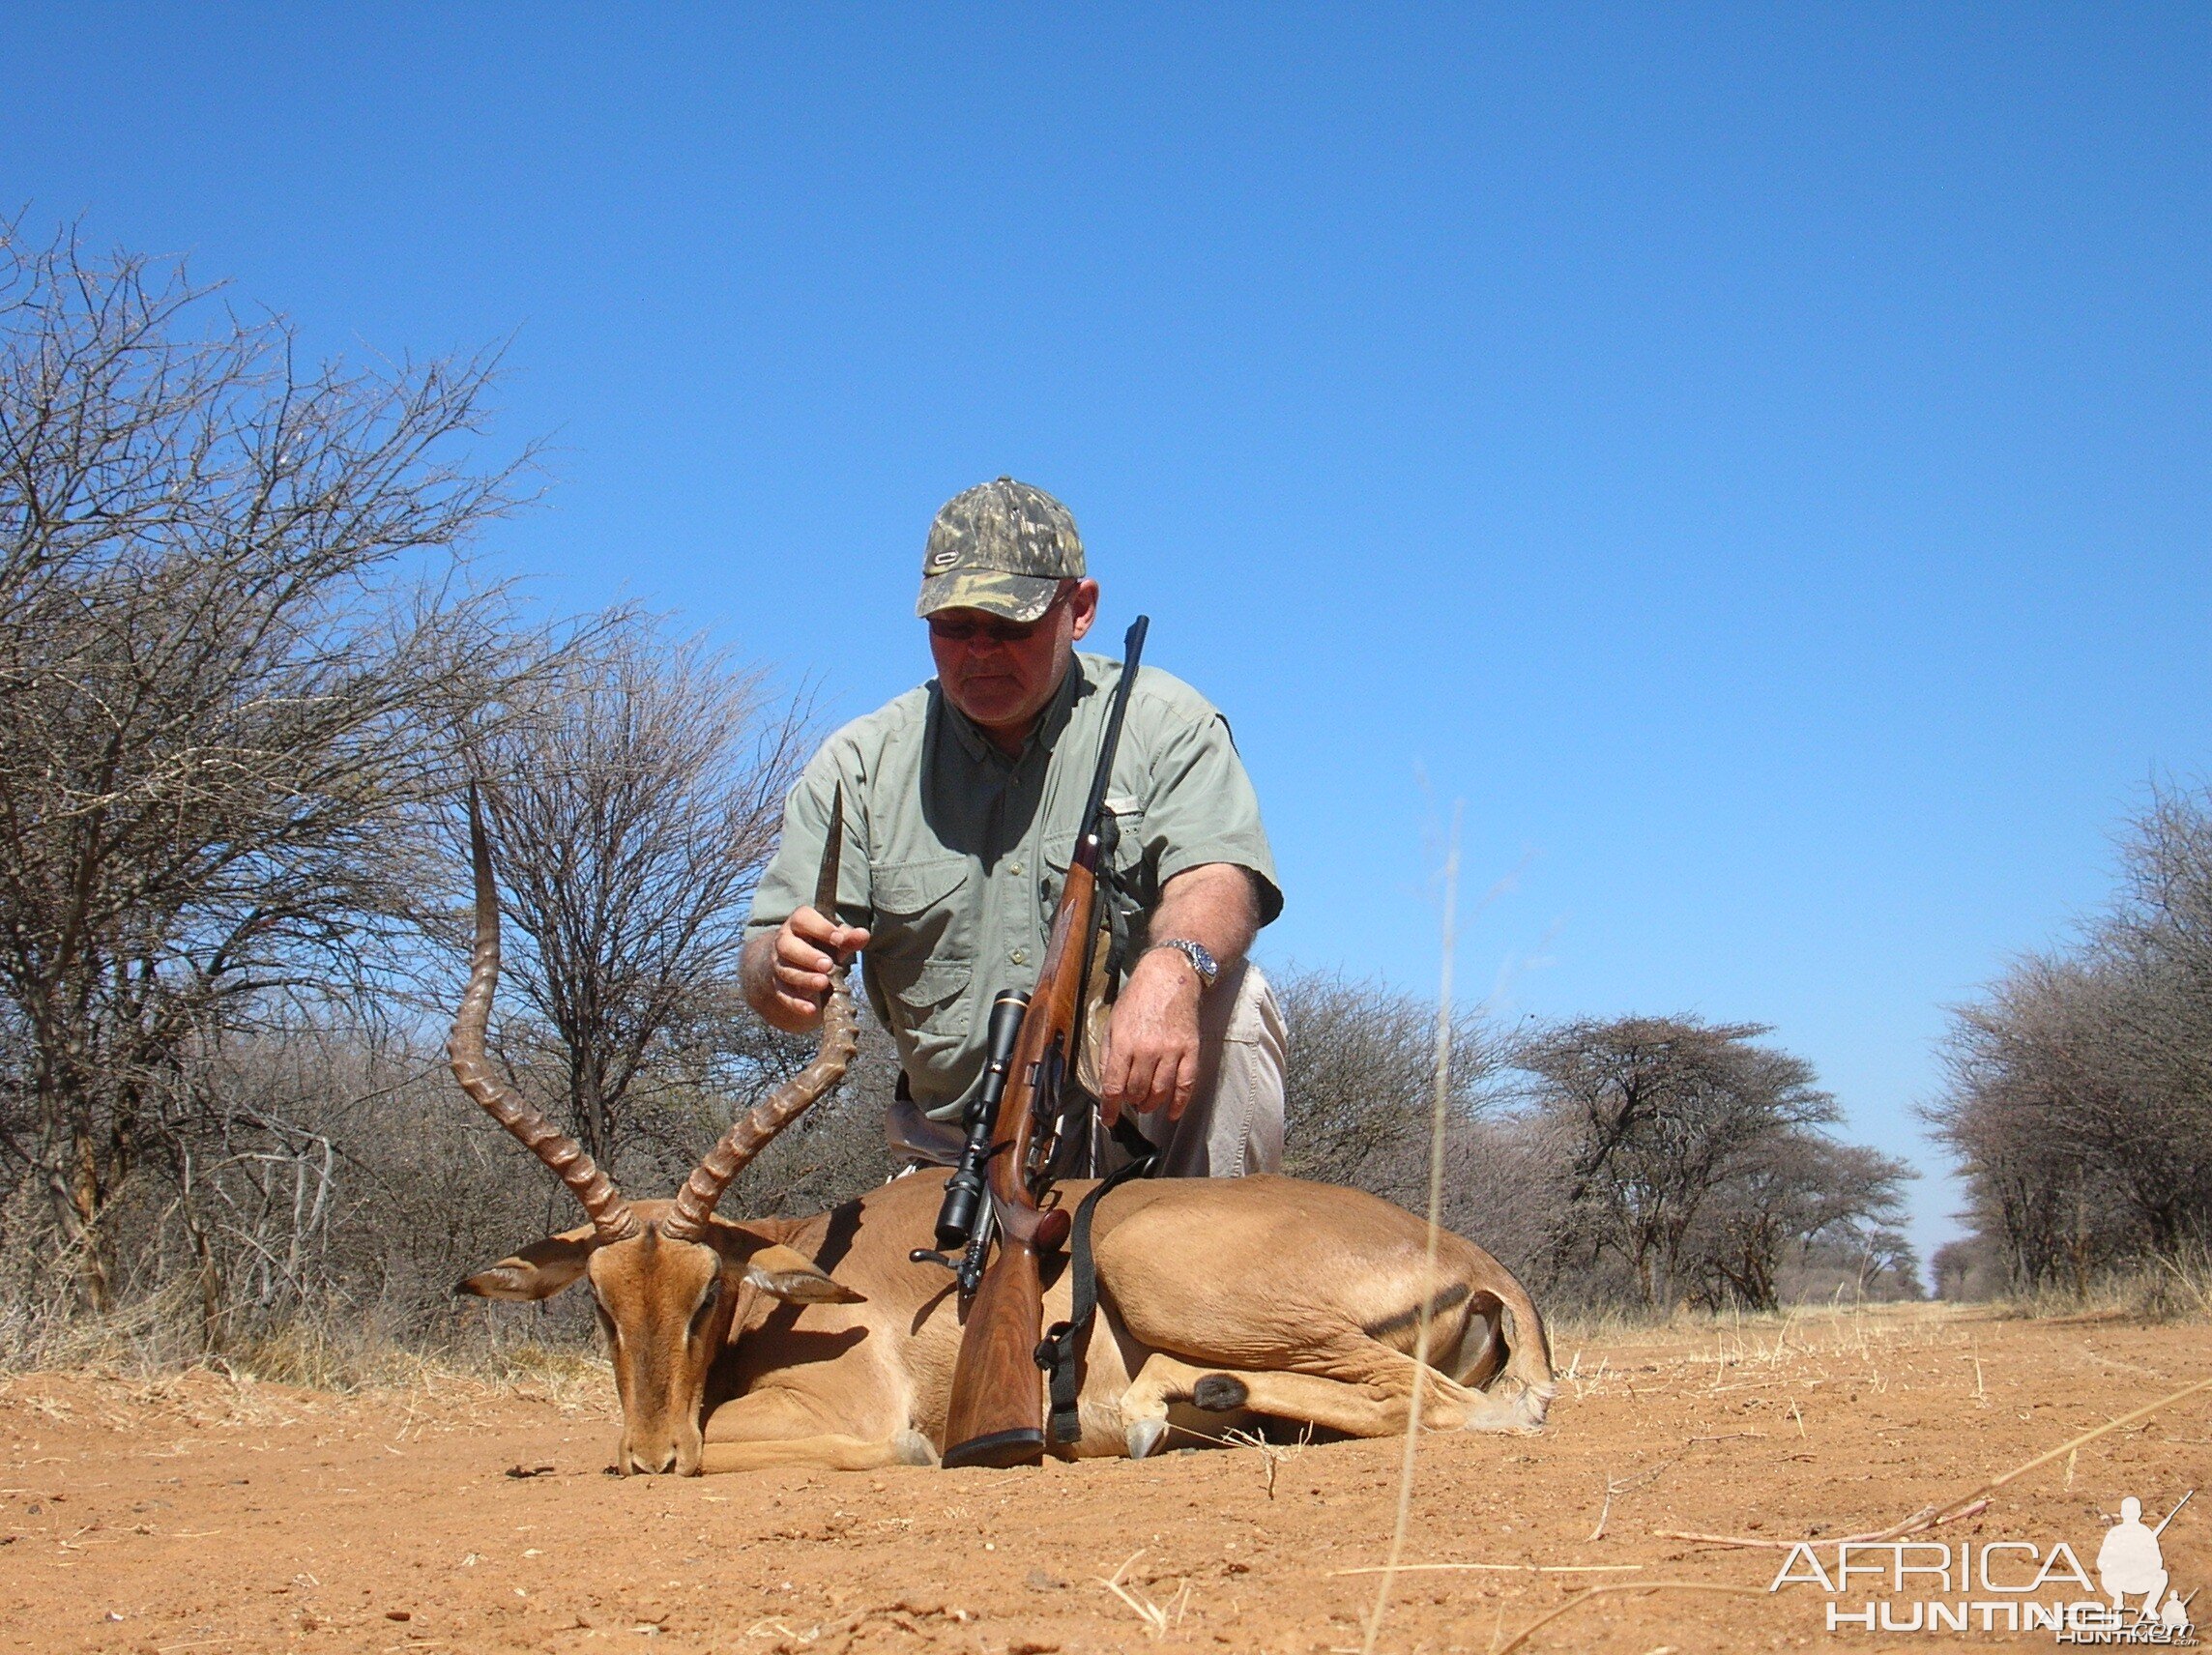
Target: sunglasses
column 990, row 631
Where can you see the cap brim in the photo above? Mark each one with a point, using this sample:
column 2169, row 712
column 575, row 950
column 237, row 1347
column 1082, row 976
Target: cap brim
column 1019, row 598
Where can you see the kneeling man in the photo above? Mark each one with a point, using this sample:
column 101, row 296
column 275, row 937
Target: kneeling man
column 962, row 803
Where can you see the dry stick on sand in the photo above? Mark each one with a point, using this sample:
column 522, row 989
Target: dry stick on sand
column 1500, row 1568
column 1925, row 1518
column 1621, row 1485
column 1438, row 1116
column 1588, row 1592
column 1966, row 1504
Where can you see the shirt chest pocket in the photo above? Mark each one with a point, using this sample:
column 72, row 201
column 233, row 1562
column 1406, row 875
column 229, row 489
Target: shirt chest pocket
column 923, row 945
column 1128, row 860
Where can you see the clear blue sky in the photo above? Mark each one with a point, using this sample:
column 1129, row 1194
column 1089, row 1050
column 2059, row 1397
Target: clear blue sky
column 1755, row 459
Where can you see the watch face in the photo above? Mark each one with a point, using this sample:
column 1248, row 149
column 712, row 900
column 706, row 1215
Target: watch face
column 1200, row 958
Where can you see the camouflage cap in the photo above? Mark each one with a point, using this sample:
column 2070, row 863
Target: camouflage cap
column 1002, row 547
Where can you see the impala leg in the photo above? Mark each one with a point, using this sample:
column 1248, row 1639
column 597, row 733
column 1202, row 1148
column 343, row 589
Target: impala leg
column 1331, row 1404
column 828, row 1453
column 767, row 1429
column 1389, row 1372
column 1162, row 1380
column 1384, row 1402
column 1377, row 1404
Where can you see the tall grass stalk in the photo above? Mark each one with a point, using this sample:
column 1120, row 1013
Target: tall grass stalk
column 1439, row 1116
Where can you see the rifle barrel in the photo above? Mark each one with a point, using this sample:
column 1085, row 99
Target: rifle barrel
column 1132, row 650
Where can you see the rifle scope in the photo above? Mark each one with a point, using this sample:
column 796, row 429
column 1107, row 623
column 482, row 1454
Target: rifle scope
column 964, row 1190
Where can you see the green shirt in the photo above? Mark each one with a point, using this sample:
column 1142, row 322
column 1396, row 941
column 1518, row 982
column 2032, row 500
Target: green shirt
column 954, row 852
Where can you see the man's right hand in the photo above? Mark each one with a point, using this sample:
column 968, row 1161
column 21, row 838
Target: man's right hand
column 792, row 989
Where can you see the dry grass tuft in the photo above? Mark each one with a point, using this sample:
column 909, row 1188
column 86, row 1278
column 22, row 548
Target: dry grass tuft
column 1159, row 1618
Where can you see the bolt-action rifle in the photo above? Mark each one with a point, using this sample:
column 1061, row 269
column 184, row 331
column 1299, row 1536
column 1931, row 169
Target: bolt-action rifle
column 996, row 1412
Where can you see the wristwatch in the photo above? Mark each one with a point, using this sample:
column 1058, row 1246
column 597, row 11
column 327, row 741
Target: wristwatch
column 1200, row 958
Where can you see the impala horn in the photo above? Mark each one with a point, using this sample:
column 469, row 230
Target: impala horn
column 750, row 1133
column 610, row 1214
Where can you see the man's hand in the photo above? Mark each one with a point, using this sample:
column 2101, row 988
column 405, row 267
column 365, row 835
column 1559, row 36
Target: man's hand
column 786, row 977
column 1152, row 1041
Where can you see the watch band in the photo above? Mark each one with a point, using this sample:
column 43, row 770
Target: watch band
column 1200, row 958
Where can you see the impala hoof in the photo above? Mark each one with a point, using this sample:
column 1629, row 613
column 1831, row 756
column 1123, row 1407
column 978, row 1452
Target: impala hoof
column 911, row 1447
column 1145, row 1435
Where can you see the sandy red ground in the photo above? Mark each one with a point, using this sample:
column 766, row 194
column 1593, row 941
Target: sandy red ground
column 199, row 1514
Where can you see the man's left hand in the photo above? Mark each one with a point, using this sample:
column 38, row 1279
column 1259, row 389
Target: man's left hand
column 1151, row 1042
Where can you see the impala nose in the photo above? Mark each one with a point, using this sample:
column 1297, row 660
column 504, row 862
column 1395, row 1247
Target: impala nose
column 650, row 1464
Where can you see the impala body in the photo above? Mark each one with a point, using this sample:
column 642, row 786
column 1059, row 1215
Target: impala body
column 816, row 1341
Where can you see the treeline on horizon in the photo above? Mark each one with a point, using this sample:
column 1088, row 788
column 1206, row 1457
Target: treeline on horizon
column 247, row 670
column 2078, row 1095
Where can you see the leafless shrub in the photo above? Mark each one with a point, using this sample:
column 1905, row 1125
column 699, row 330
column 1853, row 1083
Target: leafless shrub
column 233, row 643
column 1359, row 1079
column 2078, row 1102
column 633, row 799
column 327, row 1187
column 1641, row 1161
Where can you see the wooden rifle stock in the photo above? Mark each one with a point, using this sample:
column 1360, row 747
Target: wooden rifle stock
column 997, row 1411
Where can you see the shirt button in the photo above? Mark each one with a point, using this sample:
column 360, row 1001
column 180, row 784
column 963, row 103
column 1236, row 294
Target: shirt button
column 1020, row 957
column 1015, row 870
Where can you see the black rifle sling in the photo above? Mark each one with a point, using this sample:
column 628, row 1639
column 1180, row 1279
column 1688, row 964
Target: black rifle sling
column 1060, row 1353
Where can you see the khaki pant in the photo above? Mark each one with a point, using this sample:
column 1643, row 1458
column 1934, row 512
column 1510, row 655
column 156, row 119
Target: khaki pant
column 1235, row 1123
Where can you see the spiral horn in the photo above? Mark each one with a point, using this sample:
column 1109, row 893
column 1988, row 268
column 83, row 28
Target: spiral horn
column 750, row 1133
column 609, row 1214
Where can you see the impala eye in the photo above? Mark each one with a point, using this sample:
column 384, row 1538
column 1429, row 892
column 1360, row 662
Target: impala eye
column 707, row 1302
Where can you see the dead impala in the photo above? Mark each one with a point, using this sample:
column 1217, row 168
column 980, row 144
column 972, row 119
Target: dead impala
column 817, row 1342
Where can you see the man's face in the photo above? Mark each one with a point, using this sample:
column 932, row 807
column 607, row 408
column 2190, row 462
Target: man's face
column 1002, row 673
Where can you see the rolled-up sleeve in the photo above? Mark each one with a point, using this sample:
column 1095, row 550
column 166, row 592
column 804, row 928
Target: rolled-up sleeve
column 1202, row 806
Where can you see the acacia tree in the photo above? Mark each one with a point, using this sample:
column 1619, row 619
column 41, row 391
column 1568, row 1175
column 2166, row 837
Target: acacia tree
column 1788, row 1194
column 233, row 648
column 1652, row 1120
column 635, row 799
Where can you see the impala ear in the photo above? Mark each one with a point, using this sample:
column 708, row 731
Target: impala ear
column 539, row 1271
column 781, row 1273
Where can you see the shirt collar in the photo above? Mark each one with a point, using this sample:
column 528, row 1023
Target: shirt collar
column 1042, row 735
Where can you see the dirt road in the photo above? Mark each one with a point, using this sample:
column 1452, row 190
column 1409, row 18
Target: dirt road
column 197, row 1514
